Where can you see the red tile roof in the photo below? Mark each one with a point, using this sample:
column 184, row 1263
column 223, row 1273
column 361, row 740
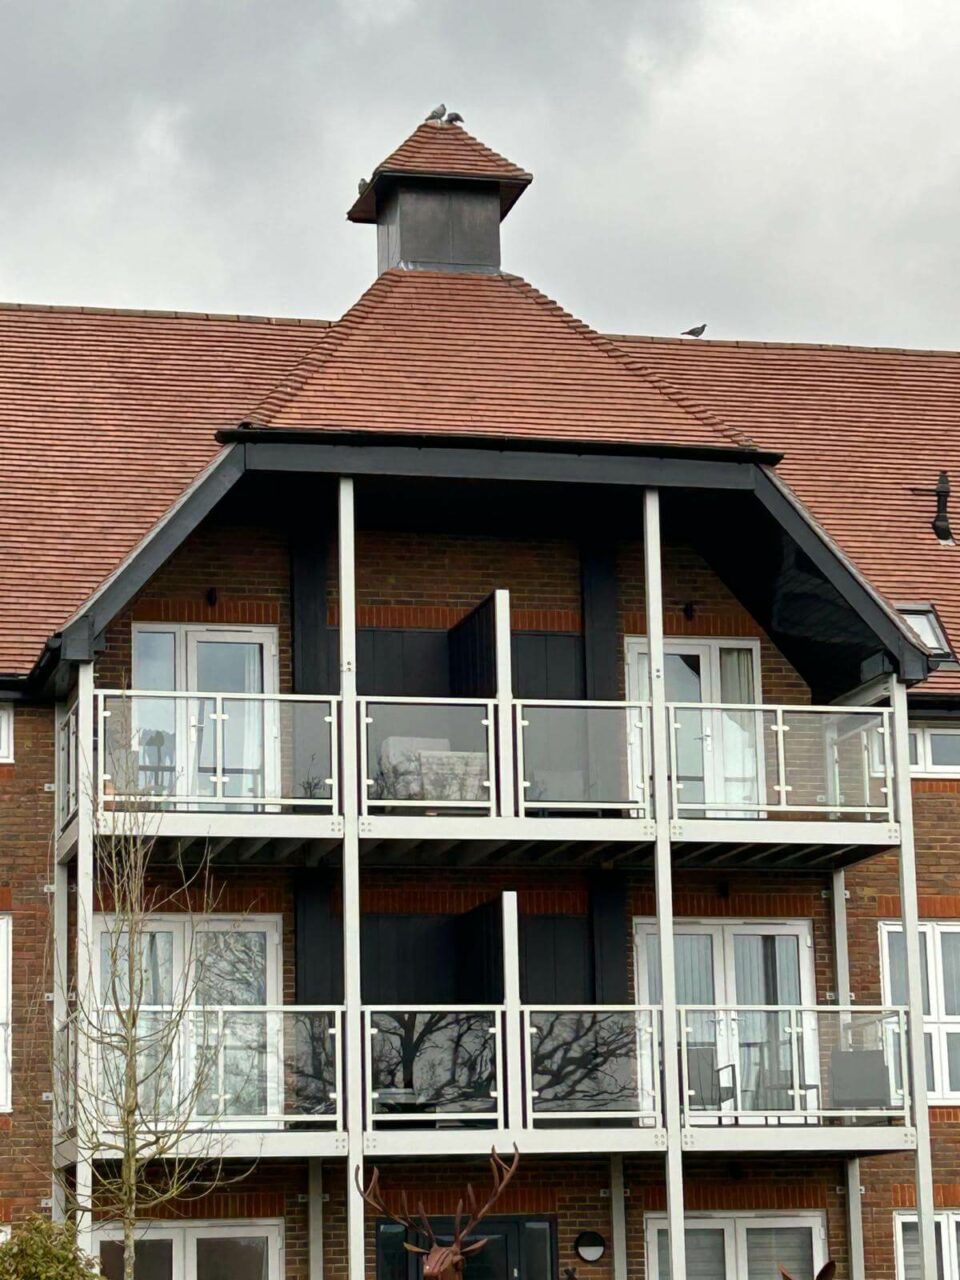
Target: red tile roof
column 861, row 430
column 444, row 150
column 482, row 355
column 105, row 418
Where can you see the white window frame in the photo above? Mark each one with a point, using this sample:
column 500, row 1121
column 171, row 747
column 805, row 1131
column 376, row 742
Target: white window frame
column 6, row 1012
column 925, row 767
column 181, row 925
column 186, row 636
column 937, row 1024
column 949, row 1248
column 185, row 1235
column 183, row 632
column 735, row 1227
column 708, row 649
column 6, row 733
column 722, row 930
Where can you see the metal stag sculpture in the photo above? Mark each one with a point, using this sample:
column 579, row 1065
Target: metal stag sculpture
column 826, row 1272
column 445, row 1261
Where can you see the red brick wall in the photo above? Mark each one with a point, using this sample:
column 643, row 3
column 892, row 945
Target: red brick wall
column 249, row 568
column 26, row 822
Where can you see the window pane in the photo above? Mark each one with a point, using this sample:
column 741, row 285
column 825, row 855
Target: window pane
column 231, row 966
column 736, row 675
column 391, row 1255
column 911, row 1251
column 767, row 968
column 769, row 1248
column 154, row 660
column 950, row 959
column 706, row 1254
column 225, row 666
column 232, row 1258
column 152, row 1259
column 156, row 965
column 914, row 748
column 898, row 969
column 944, row 749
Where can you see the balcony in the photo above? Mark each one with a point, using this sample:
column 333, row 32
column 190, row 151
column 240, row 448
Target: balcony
column 220, row 1080
column 248, row 1080
column 796, row 778
column 778, row 1068
column 752, row 1078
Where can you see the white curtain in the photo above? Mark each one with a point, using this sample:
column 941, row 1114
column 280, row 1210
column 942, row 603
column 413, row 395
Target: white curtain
column 706, row 1254
column 739, row 730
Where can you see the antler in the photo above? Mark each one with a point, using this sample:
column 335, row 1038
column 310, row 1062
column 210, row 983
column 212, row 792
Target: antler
column 502, row 1173
column 375, row 1200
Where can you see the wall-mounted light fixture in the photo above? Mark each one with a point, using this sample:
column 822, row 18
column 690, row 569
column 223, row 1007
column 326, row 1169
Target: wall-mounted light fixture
column 590, row 1246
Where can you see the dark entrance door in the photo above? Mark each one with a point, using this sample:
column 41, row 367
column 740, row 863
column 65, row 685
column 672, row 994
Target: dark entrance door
column 516, row 1249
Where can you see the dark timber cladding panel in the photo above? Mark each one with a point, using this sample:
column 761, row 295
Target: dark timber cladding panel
column 598, row 579
column 611, row 936
column 313, row 667
column 473, row 653
column 547, row 665
column 432, row 959
column 319, row 940
column 556, row 960
column 414, row 664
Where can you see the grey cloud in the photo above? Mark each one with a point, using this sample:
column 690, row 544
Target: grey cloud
column 781, row 171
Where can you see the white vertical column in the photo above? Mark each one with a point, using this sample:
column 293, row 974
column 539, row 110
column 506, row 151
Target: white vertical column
column 61, row 965
column 858, row 1270
column 841, row 946
column 909, row 912
column 511, row 1003
column 663, row 877
column 352, row 1021
column 505, row 751
column 86, row 1079
column 618, row 1217
column 315, row 1218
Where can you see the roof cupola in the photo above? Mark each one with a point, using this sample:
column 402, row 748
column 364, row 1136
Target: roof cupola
column 438, row 201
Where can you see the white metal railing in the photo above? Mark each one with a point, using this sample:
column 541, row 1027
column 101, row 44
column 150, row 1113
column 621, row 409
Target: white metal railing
column 213, row 1068
column 65, row 1075
column 440, row 1064
column 216, row 751
column 731, row 760
column 594, row 1062
column 793, row 1064
column 68, row 765
column 427, row 755
column 583, row 756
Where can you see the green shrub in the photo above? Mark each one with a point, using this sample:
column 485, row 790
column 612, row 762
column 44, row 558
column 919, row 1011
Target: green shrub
column 44, row 1250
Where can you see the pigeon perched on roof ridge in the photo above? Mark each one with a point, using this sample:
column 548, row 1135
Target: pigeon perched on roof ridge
column 697, row 331
column 437, row 113
column 454, row 118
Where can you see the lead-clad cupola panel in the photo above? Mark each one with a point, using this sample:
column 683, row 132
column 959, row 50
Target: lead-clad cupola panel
column 438, row 201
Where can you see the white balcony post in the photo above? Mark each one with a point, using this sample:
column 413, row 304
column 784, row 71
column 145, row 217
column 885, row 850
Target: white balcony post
column 87, row 801
column 909, row 911
column 505, row 772
column 663, row 877
column 514, row 1047
column 841, row 948
column 352, row 1047
column 858, row 1270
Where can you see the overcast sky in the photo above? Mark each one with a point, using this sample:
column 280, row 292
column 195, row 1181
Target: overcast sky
column 778, row 168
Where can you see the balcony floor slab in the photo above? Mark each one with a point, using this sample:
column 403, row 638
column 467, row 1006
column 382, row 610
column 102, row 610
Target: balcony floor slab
column 865, row 1139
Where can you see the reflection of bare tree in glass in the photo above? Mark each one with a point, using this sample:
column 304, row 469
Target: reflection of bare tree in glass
column 586, row 1061
column 310, row 1064
column 434, row 1061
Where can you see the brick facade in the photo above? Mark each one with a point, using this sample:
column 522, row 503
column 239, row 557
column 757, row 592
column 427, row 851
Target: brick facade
column 232, row 573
